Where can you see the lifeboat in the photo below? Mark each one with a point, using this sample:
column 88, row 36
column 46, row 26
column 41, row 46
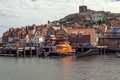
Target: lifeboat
column 62, row 49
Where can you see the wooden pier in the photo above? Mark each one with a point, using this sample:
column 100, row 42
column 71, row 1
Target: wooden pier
column 43, row 51
column 25, row 51
column 22, row 51
column 85, row 51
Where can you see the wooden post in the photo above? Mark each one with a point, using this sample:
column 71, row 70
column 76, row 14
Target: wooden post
column 101, row 51
column 40, row 51
column 82, row 49
column 78, row 53
column 9, row 50
column 30, row 51
column 24, row 51
column 76, row 50
column 17, row 52
column 104, row 51
column 37, row 50
column 97, row 50
column 3, row 50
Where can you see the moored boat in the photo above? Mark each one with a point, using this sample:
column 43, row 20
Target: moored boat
column 62, row 49
column 118, row 53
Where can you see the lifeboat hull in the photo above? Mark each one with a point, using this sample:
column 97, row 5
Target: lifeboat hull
column 56, row 54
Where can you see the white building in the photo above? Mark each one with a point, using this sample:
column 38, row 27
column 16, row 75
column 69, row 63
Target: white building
column 10, row 39
column 35, row 40
column 22, row 41
column 97, row 16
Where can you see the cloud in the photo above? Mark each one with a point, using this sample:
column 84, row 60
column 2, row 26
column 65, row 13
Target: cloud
column 16, row 13
column 115, row 0
column 3, row 29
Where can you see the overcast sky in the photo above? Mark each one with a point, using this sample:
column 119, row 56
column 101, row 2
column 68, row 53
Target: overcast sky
column 17, row 13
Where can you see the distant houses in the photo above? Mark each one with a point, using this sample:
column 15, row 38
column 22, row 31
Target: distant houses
column 48, row 34
column 111, row 39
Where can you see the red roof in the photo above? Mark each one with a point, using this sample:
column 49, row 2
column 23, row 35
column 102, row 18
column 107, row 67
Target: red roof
column 84, row 31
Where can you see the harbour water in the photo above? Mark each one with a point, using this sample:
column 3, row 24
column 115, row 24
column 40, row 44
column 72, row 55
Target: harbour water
column 97, row 67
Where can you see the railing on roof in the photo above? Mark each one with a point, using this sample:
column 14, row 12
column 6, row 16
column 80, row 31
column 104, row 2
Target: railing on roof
column 109, row 35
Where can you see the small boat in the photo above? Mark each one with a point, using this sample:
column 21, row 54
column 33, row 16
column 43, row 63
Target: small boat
column 118, row 53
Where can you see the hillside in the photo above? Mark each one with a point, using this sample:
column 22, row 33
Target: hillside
column 116, row 14
column 80, row 17
column 71, row 18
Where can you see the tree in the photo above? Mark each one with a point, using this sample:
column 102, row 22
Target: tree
column 103, row 20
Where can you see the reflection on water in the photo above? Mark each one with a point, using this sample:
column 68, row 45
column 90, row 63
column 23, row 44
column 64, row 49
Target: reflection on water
column 102, row 67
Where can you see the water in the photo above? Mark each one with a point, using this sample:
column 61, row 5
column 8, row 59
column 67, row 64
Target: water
column 103, row 67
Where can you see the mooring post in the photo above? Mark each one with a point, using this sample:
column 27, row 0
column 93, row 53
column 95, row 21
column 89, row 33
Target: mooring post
column 101, row 51
column 30, row 50
column 104, row 51
column 82, row 49
column 9, row 50
column 37, row 50
column 17, row 51
column 97, row 50
column 3, row 50
column 24, row 51
column 78, row 49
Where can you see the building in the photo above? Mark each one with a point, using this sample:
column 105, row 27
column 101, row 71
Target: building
column 102, row 28
column 62, row 33
column 52, row 30
column 50, row 37
column 111, row 39
column 31, row 29
column 97, row 16
column 50, row 40
column 78, row 36
column 82, row 36
column 115, row 23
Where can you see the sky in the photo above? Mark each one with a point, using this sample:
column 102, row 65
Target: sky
column 17, row 13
